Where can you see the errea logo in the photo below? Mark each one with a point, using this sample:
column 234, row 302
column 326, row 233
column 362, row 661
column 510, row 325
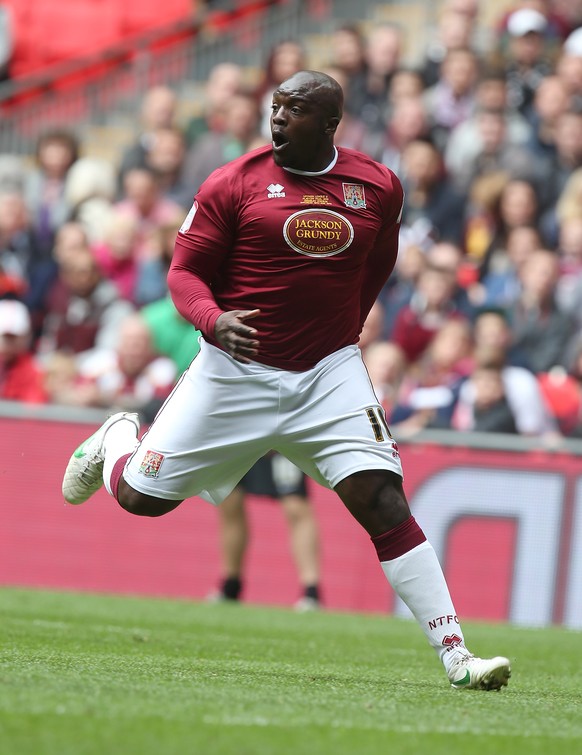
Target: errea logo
column 275, row 190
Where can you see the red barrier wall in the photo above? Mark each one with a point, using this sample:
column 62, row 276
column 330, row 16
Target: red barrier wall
column 504, row 526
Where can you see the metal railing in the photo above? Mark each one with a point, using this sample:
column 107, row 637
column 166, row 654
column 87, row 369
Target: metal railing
column 112, row 83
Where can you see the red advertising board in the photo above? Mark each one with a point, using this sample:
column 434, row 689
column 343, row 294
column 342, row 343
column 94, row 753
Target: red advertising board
column 507, row 527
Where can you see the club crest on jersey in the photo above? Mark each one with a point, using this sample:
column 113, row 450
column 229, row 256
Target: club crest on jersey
column 318, row 232
column 151, row 463
column 354, row 196
column 274, row 191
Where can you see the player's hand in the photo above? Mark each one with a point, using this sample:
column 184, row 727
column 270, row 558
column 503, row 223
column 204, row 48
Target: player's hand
column 236, row 337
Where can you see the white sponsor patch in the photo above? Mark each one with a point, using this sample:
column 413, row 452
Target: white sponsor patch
column 189, row 218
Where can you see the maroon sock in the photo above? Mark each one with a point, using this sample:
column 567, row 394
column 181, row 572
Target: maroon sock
column 117, row 472
column 398, row 541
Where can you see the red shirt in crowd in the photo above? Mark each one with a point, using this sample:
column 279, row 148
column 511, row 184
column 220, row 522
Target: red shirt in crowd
column 22, row 380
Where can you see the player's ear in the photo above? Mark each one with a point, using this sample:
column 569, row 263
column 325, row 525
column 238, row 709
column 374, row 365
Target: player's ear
column 331, row 125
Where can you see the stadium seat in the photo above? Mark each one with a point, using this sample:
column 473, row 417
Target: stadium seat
column 145, row 14
column 24, row 55
column 71, row 29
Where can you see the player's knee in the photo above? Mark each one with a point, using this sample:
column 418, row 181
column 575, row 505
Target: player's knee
column 139, row 504
column 375, row 496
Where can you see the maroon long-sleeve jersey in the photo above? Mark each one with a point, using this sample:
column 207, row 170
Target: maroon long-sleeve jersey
column 310, row 250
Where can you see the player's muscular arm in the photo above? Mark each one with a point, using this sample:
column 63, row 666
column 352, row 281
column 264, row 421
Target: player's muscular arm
column 189, row 286
column 236, row 337
column 379, row 266
column 382, row 257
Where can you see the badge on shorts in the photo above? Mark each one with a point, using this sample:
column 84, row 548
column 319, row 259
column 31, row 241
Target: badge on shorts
column 151, row 463
column 354, row 196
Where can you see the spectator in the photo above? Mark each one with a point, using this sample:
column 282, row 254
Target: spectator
column 406, row 86
column 154, row 263
column 569, row 204
column 166, row 157
column 386, row 365
column 117, row 254
column 575, row 373
column 569, row 286
column 429, row 392
column 541, row 330
column 373, row 326
column 20, row 377
column 573, row 42
column 144, row 203
column 562, row 393
column 497, row 154
column 158, row 110
column 347, row 49
column 430, row 195
column 408, row 122
column 213, row 150
column 63, row 383
column 402, row 284
column 450, row 258
column 405, row 83
column 455, row 31
column 285, row 59
column 569, row 71
column 351, row 131
column 131, row 376
column 553, row 27
column 56, row 152
column 90, row 191
column 25, row 270
column 370, row 89
column 492, row 330
column 347, row 55
column 532, row 416
column 224, row 81
column 551, row 101
column 526, row 59
column 84, row 309
column 501, row 284
column 13, row 170
column 490, row 407
column 565, row 160
column 70, row 237
column 451, row 100
column 430, row 308
column 518, row 206
column 465, row 141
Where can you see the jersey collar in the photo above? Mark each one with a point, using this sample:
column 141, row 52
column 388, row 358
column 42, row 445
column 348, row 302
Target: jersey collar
column 316, row 172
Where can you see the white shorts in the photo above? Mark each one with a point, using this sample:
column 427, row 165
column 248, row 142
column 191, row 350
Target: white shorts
column 224, row 415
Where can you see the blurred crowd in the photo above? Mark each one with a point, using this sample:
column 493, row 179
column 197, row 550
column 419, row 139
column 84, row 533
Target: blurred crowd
column 480, row 326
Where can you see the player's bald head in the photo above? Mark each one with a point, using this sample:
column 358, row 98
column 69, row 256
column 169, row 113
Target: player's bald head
column 317, row 87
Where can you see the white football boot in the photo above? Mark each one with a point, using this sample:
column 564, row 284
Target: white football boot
column 469, row 672
column 84, row 472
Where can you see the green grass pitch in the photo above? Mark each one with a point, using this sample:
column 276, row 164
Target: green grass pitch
column 85, row 674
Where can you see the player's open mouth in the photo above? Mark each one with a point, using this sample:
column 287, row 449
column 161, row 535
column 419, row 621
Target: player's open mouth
column 279, row 142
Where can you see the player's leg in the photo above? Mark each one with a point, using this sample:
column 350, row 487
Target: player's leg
column 377, row 500
column 277, row 477
column 100, row 459
column 233, row 539
column 341, row 439
column 206, row 436
column 304, row 541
